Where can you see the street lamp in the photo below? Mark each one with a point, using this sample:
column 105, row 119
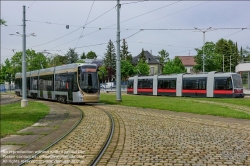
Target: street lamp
column 24, row 101
column 18, row 34
column 203, row 45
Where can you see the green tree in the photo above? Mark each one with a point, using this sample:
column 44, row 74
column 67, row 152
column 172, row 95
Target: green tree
column 91, row 55
column 72, row 56
column 83, row 56
column 16, row 62
column 103, row 73
column 174, row 66
column 212, row 60
column 3, row 22
column 164, row 57
column 222, row 47
column 241, row 54
column 50, row 60
column 246, row 54
column 127, row 69
column 36, row 61
column 60, row 60
column 110, row 60
column 129, row 58
column 80, row 61
column 2, row 74
column 124, row 53
column 142, row 56
column 234, row 53
column 7, row 72
column 228, row 50
column 142, row 68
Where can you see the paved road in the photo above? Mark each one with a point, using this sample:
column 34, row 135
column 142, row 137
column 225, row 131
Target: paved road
column 151, row 137
column 81, row 145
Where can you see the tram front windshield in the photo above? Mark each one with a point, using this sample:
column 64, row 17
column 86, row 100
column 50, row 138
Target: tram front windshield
column 237, row 81
column 88, row 80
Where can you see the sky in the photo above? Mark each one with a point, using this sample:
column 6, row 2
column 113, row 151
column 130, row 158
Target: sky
column 151, row 25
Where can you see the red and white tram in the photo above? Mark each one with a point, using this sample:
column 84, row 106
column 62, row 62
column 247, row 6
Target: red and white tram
column 212, row 84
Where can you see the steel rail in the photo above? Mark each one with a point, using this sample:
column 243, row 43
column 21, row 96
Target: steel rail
column 106, row 144
column 59, row 139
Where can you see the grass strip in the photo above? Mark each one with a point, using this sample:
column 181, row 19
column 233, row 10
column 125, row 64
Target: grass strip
column 178, row 104
column 236, row 101
column 14, row 117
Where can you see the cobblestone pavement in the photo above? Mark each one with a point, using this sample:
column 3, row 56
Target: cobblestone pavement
column 81, row 145
column 153, row 137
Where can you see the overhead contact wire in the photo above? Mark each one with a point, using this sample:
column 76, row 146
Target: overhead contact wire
column 85, row 24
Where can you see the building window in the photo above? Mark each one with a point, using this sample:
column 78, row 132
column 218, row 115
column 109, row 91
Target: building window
column 152, row 70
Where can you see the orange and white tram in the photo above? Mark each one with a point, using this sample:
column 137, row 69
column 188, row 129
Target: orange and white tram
column 74, row 83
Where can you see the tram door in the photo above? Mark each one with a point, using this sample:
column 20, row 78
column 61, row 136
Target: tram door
column 70, row 86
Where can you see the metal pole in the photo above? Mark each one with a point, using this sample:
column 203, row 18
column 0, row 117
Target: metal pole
column 249, row 80
column 223, row 63
column 10, row 82
column 24, row 101
column 230, row 63
column 203, row 52
column 118, row 61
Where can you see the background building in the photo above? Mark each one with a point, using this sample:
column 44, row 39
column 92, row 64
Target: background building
column 188, row 62
column 153, row 62
column 244, row 70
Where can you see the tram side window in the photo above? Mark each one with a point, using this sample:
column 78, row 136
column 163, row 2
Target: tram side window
column 223, row 83
column 28, row 83
column 194, row 83
column 18, row 84
column 34, row 83
column 60, row 82
column 48, row 82
column 41, row 83
column 202, row 84
column 167, row 84
column 130, row 84
column 70, row 81
column 44, row 82
column 237, row 81
column 75, row 87
column 145, row 84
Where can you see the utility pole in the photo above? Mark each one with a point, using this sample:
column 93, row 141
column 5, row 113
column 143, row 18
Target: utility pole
column 203, row 58
column 118, row 60
column 24, row 101
column 230, row 63
column 223, row 62
column 203, row 61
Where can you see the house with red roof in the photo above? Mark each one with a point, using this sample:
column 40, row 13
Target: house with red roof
column 188, row 62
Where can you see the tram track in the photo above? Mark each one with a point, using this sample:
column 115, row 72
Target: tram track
column 98, row 157
column 53, row 143
column 91, row 134
column 114, row 151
